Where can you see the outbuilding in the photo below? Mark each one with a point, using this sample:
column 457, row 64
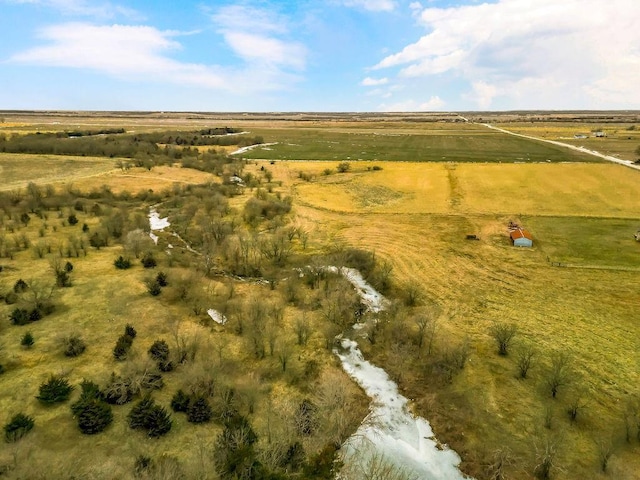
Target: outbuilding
column 521, row 238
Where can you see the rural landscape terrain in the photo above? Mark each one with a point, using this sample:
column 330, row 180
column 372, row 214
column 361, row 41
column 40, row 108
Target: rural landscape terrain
column 173, row 302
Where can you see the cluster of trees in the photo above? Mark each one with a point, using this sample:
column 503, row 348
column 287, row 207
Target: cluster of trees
column 117, row 143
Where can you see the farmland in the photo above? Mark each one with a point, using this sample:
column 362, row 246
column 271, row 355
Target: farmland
column 574, row 293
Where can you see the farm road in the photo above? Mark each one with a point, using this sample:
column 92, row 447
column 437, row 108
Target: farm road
column 610, row 158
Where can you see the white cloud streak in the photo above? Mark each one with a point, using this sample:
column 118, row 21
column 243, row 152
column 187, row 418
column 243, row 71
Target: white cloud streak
column 542, row 54
column 101, row 10
column 255, row 35
column 435, row 103
column 371, row 5
column 139, row 53
column 374, row 82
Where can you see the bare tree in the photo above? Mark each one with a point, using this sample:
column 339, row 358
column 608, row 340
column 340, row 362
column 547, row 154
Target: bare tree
column 577, row 402
column 546, row 459
column 303, row 329
column 560, row 373
column 606, row 449
column 525, row 360
column 501, row 459
column 284, row 354
column 503, row 335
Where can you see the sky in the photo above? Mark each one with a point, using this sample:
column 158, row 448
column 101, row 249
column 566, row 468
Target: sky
column 329, row 56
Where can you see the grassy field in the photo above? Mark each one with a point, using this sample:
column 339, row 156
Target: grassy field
column 574, row 292
column 622, row 139
column 17, row 170
column 445, row 142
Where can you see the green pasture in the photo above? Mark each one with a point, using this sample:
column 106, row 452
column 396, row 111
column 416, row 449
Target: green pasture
column 458, row 143
column 590, row 242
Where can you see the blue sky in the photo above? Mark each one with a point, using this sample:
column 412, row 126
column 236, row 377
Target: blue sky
column 332, row 55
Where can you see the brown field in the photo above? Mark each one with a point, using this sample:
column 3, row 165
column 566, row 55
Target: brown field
column 416, row 216
column 574, row 292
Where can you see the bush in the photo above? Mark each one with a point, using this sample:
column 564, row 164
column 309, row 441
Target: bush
column 153, row 287
column 199, row 411
column 159, row 351
column 180, row 401
column 122, row 263
column 18, row 427
column 146, row 415
column 161, row 279
column 68, row 267
column 148, row 261
column 74, row 346
column 20, row 286
column 118, row 391
column 343, row 167
column 72, row 219
column 92, row 413
column 123, row 345
column 129, row 331
column 27, row 340
column 55, row 390
column 19, row 316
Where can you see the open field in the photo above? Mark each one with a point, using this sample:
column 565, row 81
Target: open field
column 583, row 217
column 439, row 142
column 603, row 190
column 575, row 292
column 621, row 139
column 16, row 170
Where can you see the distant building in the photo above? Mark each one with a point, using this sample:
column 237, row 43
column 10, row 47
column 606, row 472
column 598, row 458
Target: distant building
column 581, row 135
column 599, row 134
column 521, row 238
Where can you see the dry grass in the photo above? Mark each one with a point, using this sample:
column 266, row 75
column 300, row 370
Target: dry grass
column 17, row 170
column 589, row 313
column 604, row 190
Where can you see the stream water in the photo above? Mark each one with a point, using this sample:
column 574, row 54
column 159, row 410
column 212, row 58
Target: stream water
column 391, row 438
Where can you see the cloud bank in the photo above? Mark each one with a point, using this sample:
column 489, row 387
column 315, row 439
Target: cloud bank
column 542, row 54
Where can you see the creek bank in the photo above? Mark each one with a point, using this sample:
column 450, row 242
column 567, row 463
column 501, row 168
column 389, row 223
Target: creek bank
column 390, row 433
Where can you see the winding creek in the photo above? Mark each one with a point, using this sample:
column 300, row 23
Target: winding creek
column 390, row 434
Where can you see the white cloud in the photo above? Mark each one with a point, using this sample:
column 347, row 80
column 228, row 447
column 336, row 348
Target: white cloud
column 374, row 82
column 371, row 5
column 140, row 53
column 542, row 54
column 256, row 35
column 84, row 8
column 435, row 103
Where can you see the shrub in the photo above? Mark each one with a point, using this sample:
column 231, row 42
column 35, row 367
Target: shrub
column 27, row 340
column 74, row 346
column 19, row 316
column 148, row 261
column 72, row 219
column 123, row 345
column 199, row 411
column 68, row 267
column 153, row 287
column 180, row 401
column 20, row 286
column 122, row 263
column 118, row 391
column 129, row 331
column 161, row 279
column 92, row 413
column 55, row 390
column 18, row 427
column 344, row 167
column 10, row 298
column 146, row 415
column 159, row 350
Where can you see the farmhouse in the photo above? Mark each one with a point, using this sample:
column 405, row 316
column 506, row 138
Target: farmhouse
column 521, row 238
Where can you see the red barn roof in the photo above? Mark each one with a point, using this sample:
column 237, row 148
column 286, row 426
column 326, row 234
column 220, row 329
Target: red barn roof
column 520, row 233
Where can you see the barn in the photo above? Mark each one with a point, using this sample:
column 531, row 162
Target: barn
column 521, row 238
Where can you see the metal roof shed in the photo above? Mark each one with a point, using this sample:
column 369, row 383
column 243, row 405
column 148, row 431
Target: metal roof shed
column 521, row 238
